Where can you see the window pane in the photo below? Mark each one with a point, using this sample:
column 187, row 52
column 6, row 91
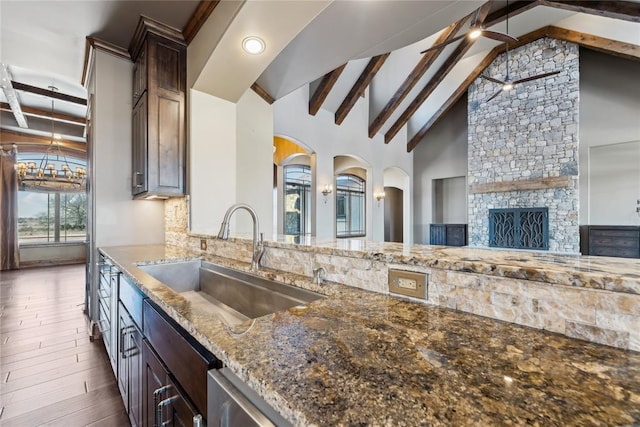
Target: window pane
column 35, row 218
column 297, row 200
column 350, row 206
column 73, row 216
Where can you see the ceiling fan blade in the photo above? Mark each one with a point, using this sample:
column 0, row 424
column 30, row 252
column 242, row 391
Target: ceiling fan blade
column 481, row 14
column 539, row 76
column 441, row 45
column 494, row 95
column 491, row 79
column 501, row 37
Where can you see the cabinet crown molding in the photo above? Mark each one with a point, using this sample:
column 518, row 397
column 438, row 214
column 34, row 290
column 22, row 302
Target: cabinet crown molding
column 147, row 25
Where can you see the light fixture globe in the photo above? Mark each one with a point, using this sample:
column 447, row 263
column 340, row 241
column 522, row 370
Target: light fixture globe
column 474, row 34
column 253, row 45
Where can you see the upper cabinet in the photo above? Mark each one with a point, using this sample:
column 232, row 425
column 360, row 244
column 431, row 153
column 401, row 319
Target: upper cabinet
column 158, row 118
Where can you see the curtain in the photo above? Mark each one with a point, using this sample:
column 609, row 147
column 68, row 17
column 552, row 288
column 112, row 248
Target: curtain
column 9, row 252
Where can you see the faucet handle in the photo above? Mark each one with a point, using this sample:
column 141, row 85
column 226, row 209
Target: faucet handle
column 318, row 275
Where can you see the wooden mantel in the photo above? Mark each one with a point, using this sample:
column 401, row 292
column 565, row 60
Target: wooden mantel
column 521, row 185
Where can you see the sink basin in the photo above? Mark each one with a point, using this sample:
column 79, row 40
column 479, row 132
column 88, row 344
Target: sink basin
column 234, row 295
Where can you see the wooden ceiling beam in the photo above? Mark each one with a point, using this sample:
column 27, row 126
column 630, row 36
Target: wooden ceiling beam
column 323, row 89
column 197, row 20
column 12, row 97
column 601, row 44
column 440, row 75
column 36, row 143
column 359, row 87
column 624, row 10
column 49, row 93
column 263, row 93
column 36, row 112
column 612, row 47
column 515, row 8
column 414, row 77
column 455, row 97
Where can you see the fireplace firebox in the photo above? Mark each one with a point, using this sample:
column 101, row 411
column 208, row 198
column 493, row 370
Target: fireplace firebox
column 519, row 228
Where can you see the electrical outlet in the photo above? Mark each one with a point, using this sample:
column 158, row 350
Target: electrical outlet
column 409, row 283
column 203, row 244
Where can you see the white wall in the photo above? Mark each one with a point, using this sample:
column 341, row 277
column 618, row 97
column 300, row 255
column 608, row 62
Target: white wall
column 212, row 160
column 254, row 162
column 230, row 161
column 327, row 140
column 441, row 154
column 119, row 220
column 609, row 115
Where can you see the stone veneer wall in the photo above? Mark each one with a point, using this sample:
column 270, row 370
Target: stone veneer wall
column 527, row 134
column 605, row 317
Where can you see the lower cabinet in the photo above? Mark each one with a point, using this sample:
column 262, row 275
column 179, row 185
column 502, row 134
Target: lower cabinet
column 448, row 234
column 164, row 403
column 161, row 369
column 130, row 365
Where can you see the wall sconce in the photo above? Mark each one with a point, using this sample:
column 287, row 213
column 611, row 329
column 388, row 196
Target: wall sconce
column 326, row 190
column 379, row 196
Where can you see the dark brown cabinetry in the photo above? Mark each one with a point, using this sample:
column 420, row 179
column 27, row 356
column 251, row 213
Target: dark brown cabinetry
column 617, row 241
column 158, row 118
column 164, row 402
column 448, row 234
column 130, row 366
column 187, row 361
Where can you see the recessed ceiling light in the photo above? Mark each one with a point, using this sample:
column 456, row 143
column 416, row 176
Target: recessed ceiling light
column 253, row 45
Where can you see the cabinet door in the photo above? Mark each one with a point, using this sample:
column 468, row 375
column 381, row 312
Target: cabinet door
column 139, row 141
column 154, row 378
column 124, row 323
column 140, row 75
column 134, row 359
column 164, row 403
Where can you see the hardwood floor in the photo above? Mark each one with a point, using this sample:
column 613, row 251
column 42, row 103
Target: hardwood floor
column 50, row 373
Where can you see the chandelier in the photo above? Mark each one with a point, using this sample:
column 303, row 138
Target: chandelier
column 53, row 173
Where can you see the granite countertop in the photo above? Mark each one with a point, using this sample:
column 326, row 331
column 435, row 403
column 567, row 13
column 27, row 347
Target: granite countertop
column 614, row 274
column 361, row 358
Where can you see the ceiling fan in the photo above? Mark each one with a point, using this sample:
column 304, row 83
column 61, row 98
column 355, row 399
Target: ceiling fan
column 476, row 30
column 508, row 84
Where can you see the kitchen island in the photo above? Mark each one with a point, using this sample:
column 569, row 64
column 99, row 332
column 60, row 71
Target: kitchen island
column 366, row 358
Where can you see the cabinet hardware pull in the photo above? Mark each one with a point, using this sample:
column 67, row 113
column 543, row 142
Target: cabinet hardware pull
column 163, row 404
column 197, row 420
column 156, row 396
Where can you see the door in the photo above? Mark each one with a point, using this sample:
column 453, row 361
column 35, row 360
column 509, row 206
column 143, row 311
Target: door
column 614, row 186
column 393, row 214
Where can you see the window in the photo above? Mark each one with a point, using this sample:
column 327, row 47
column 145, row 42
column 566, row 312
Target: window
column 297, row 200
column 48, row 216
column 350, row 207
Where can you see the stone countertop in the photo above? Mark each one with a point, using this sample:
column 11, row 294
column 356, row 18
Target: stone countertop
column 613, row 274
column 361, row 358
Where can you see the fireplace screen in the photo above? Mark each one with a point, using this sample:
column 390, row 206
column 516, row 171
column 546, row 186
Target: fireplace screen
column 526, row 228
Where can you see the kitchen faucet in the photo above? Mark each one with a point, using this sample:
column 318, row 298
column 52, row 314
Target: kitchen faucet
column 258, row 248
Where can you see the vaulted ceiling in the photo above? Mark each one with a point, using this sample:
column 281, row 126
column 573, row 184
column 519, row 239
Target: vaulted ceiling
column 352, row 51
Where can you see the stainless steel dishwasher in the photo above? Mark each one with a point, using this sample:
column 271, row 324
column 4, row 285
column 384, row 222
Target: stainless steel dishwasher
column 231, row 403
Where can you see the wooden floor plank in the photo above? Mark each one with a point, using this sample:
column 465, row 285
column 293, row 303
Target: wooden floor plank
column 44, row 415
column 50, row 371
column 14, row 384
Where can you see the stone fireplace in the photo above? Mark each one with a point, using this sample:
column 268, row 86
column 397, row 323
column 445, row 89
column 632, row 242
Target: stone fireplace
column 523, row 145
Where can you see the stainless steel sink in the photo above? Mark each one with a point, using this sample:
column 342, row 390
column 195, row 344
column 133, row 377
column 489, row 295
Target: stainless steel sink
column 236, row 296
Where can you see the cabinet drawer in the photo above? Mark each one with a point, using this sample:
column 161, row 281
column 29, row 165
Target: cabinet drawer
column 630, row 234
column 131, row 298
column 620, row 242
column 185, row 359
column 615, row 251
